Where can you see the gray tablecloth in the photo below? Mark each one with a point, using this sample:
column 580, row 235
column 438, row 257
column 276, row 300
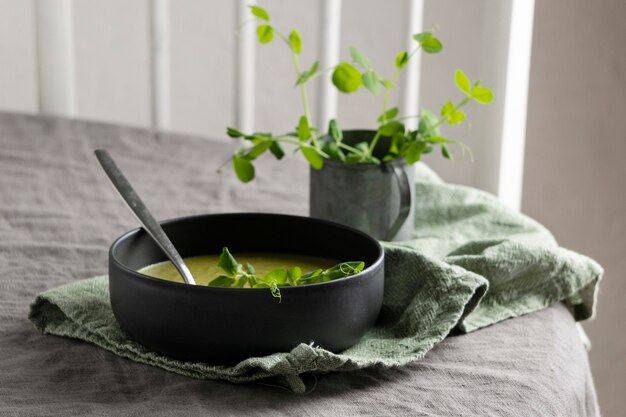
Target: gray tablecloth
column 58, row 216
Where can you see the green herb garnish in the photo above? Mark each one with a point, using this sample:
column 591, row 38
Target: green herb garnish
column 238, row 276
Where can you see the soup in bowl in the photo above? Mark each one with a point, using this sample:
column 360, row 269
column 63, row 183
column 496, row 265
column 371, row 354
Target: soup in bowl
column 222, row 325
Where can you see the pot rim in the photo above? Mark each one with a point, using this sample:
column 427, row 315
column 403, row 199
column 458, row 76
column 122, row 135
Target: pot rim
column 158, row 281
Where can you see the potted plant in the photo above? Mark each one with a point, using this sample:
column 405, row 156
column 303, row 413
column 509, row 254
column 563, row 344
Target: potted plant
column 360, row 177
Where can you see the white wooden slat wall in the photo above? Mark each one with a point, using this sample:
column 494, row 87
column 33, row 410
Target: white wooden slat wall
column 172, row 65
column 203, row 68
column 330, row 28
column 160, row 64
column 113, row 58
column 18, row 72
column 56, row 57
column 245, row 67
column 411, row 75
column 511, row 169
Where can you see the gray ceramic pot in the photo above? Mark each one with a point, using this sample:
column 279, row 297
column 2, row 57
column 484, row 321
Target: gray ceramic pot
column 376, row 199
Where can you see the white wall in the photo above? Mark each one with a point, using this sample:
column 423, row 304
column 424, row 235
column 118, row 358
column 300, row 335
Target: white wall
column 575, row 168
column 18, row 71
column 112, row 53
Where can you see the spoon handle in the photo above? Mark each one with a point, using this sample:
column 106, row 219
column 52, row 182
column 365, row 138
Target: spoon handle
column 142, row 213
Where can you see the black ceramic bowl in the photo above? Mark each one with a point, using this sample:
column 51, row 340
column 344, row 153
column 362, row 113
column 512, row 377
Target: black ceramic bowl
column 225, row 325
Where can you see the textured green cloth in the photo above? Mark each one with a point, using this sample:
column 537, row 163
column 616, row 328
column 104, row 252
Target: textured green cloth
column 472, row 263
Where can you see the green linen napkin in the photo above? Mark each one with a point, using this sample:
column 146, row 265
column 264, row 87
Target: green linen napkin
column 472, row 262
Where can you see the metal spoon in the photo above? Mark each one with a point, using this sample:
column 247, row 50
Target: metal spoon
column 142, row 213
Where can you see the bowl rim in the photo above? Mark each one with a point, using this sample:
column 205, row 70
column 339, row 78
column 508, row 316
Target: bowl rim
column 181, row 285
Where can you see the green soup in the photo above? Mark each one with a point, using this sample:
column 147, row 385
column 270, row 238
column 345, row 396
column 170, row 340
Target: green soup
column 204, row 268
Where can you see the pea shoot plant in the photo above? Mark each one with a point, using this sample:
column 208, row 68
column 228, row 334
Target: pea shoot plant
column 349, row 77
column 239, row 276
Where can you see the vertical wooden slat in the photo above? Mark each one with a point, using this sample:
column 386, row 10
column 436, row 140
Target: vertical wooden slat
column 411, row 74
column 245, row 80
column 330, row 34
column 161, row 97
column 515, row 105
column 18, row 72
column 55, row 50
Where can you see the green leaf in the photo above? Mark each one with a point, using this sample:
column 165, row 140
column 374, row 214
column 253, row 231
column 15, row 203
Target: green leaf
column 346, row 78
column 391, row 128
column 234, row 133
column 388, row 115
column 262, row 135
column 371, row 82
column 278, row 276
column 309, row 277
column 414, row 152
column 397, row 142
column 258, row 149
column 304, row 132
column 426, row 123
column 243, row 168
column 277, row 150
column 359, row 58
column 315, row 159
column 260, row 13
column 250, row 268
column 402, row 59
column 388, row 84
column 446, row 152
column 447, row 108
column 221, row 281
column 432, row 45
column 364, row 147
column 462, row 82
column 482, row 95
column 439, row 139
column 265, row 33
column 421, row 37
column 295, row 41
column 293, row 275
column 333, row 150
column 303, row 77
column 362, row 156
column 241, row 281
column 344, row 269
column 307, row 74
column 353, row 158
column 456, row 117
column 334, row 130
column 228, row 262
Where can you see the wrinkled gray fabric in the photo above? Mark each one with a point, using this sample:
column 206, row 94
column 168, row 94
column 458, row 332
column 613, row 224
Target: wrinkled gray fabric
column 55, row 229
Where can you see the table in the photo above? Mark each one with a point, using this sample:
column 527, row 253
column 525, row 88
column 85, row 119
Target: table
column 58, row 216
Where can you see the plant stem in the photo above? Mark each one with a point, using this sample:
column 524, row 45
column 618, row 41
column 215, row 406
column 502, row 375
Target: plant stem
column 374, row 142
column 385, row 104
column 288, row 139
column 414, row 51
column 349, row 148
column 303, row 91
column 414, row 116
column 386, row 99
